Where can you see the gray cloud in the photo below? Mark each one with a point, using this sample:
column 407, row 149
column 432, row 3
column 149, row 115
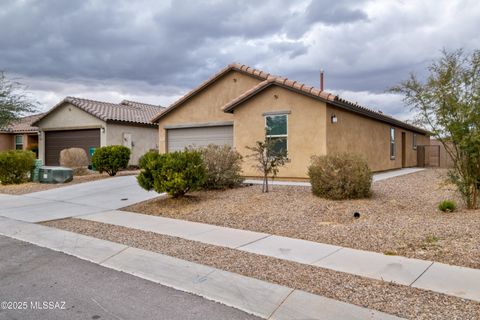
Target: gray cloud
column 335, row 12
column 115, row 49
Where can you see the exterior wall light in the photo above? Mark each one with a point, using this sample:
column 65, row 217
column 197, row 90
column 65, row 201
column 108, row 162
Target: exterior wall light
column 103, row 129
column 333, row 118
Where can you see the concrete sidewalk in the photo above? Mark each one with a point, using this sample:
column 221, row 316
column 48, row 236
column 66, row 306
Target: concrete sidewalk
column 74, row 200
column 264, row 299
column 376, row 177
column 452, row 280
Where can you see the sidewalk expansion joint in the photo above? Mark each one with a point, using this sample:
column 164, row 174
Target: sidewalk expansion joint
column 421, row 274
column 248, row 243
column 280, row 304
column 328, row 255
column 113, row 255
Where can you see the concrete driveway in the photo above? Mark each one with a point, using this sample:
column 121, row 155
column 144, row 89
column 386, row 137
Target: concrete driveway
column 75, row 200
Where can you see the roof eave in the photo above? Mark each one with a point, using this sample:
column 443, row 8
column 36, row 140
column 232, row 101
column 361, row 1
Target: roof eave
column 204, row 85
column 230, row 108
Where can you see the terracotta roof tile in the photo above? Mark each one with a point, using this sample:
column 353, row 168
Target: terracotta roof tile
column 269, row 80
column 311, row 91
column 23, row 124
column 125, row 111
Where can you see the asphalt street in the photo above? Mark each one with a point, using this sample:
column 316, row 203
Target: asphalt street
column 38, row 283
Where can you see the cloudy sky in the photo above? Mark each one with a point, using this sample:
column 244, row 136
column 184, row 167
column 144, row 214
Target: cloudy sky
column 155, row 51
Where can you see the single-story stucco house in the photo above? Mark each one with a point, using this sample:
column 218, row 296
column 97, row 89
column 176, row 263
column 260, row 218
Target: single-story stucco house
column 86, row 124
column 20, row 135
column 237, row 104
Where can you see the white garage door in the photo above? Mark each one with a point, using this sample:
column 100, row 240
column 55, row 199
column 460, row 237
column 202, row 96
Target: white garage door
column 180, row 138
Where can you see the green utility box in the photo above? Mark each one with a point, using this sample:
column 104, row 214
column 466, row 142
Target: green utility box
column 50, row 174
column 36, row 170
column 91, row 152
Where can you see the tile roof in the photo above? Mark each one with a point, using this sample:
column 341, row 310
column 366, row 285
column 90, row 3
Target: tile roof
column 125, row 111
column 321, row 95
column 23, row 125
column 269, row 79
column 234, row 66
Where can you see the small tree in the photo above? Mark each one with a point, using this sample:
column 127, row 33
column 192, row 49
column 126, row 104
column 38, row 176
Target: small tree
column 13, row 101
column 267, row 159
column 448, row 103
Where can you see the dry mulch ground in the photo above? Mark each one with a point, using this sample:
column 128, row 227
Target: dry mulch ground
column 29, row 187
column 383, row 296
column 401, row 217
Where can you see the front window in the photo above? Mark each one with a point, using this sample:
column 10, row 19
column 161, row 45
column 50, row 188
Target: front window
column 276, row 127
column 18, row 142
column 414, row 141
column 393, row 151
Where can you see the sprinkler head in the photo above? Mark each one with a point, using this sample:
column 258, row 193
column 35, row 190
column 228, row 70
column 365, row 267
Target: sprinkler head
column 356, row 215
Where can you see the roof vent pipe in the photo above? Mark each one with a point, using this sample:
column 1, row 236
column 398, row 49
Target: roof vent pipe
column 321, row 80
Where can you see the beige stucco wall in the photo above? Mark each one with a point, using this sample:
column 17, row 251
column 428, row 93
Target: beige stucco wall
column 143, row 138
column 68, row 117
column 306, row 128
column 6, row 141
column 370, row 138
column 205, row 106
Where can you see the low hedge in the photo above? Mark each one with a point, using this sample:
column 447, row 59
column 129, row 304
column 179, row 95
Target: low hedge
column 340, row 176
column 15, row 166
column 111, row 159
column 223, row 167
column 176, row 173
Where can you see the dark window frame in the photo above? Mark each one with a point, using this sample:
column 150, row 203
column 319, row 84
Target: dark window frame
column 278, row 136
column 19, row 144
column 393, row 144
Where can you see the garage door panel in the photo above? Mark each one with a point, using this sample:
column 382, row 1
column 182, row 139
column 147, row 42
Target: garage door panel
column 178, row 139
column 56, row 141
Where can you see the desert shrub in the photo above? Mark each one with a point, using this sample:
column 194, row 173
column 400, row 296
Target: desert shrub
column 223, row 167
column 175, row 173
column 340, row 176
column 111, row 159
column 15, row 166
column 447, row 206
column 76, row 159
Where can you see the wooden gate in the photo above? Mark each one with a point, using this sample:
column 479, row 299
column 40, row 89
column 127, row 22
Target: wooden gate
column 428, row 156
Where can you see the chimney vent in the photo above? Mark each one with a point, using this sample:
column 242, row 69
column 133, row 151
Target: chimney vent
column 321, row 80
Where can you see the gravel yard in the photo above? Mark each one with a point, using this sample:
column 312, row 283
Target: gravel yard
column 395, row 299
column 30, row 187
column 401, row 218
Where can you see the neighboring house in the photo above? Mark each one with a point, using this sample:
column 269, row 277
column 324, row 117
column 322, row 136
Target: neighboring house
column 20, row 135
column 87, row 124
column 237, row 104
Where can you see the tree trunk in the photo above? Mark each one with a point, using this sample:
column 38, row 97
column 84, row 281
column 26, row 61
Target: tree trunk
column 265, row 181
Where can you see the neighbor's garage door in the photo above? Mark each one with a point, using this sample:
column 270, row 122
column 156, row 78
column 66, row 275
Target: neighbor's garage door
column 56, row 141
column 180, row 138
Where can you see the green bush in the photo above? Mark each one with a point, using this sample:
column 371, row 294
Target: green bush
column 447, row 206
column 340, row 176
column 223, row 167
column 175, row 173
column 15, row 166
column 111, row 159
